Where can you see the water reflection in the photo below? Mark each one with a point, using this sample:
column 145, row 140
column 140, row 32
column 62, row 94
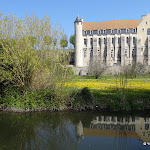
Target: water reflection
column 69, row 131
column 113, row 126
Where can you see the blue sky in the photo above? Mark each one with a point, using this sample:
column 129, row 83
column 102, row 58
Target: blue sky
column 65, row 11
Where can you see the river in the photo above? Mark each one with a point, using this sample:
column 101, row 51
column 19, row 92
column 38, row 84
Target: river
column 74, row 131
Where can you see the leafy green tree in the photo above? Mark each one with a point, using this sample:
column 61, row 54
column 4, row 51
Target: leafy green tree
column 23, row 62
column 48, row 40
column 72, row 40
column 64, row 41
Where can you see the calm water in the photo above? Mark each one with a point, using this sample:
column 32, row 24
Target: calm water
column 74, row 130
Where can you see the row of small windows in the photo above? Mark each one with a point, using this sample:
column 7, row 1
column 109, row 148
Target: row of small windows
column 112, row 53
column 99, row 40
column 110, row 31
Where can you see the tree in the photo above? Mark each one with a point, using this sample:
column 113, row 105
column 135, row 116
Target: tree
column 22, row 52
column 55, row 42
column 72, row 40
column 64, row 41
column 48, row 40
column 135, row 69
column 96, row 67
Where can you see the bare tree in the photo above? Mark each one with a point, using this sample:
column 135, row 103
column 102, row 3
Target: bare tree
column 96, row 66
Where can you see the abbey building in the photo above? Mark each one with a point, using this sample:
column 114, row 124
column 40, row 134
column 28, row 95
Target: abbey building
column 115, row 42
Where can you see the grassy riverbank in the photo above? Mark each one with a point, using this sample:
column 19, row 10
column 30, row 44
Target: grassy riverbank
column 114, row 93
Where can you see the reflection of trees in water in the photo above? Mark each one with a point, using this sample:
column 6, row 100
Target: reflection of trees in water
column 36, row 131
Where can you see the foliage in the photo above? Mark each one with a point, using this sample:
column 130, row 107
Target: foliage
column 29, row 67
column 26, row 61
column 72, row 40
column 48, row 40
column 64, row 42
column 96, row 67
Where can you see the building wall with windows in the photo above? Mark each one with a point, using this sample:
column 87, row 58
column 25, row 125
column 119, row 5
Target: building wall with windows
column 116, row 43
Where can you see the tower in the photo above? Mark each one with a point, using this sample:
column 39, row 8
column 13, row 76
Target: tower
column 78, row 42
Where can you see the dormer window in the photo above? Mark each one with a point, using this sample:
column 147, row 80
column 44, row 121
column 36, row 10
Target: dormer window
column 112, row 31
column 119, row 31
column 134, row 30
column 104, row 31
column 91, row 31
column 85, row 32
column 99, row 31
column 127, row 30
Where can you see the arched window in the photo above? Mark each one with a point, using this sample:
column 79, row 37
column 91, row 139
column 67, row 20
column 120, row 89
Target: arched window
column 112, row 31
column 119, row 31
column 91, row 41
column 85, row 42
column 104, row 41
column 127, row 30
column 85, row 32
column 112, row 40
column 104, row 31
column 99, row 31
column 127, row 40
column 99, row 41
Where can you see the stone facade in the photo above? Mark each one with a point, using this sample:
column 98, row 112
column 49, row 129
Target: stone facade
column 116, row 43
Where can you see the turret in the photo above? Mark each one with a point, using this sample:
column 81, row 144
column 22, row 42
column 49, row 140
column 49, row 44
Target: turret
column 78, row 42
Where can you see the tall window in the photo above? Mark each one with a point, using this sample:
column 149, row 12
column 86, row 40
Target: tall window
column 127, row 40
column 99, row 31
column 99, row 41
column 126, row 52
column 112, row 53
column 132, row 52
column 112, row 40
column 104, row 41
column 84, row 41
column 118, row 40
column 91, row 41
column 112, row 31
column 119, row 52
column 133, row 39
column 91, row 53
column 91, row 32
column 84, row 53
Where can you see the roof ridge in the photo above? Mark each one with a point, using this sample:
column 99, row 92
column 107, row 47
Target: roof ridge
column 113, row 20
